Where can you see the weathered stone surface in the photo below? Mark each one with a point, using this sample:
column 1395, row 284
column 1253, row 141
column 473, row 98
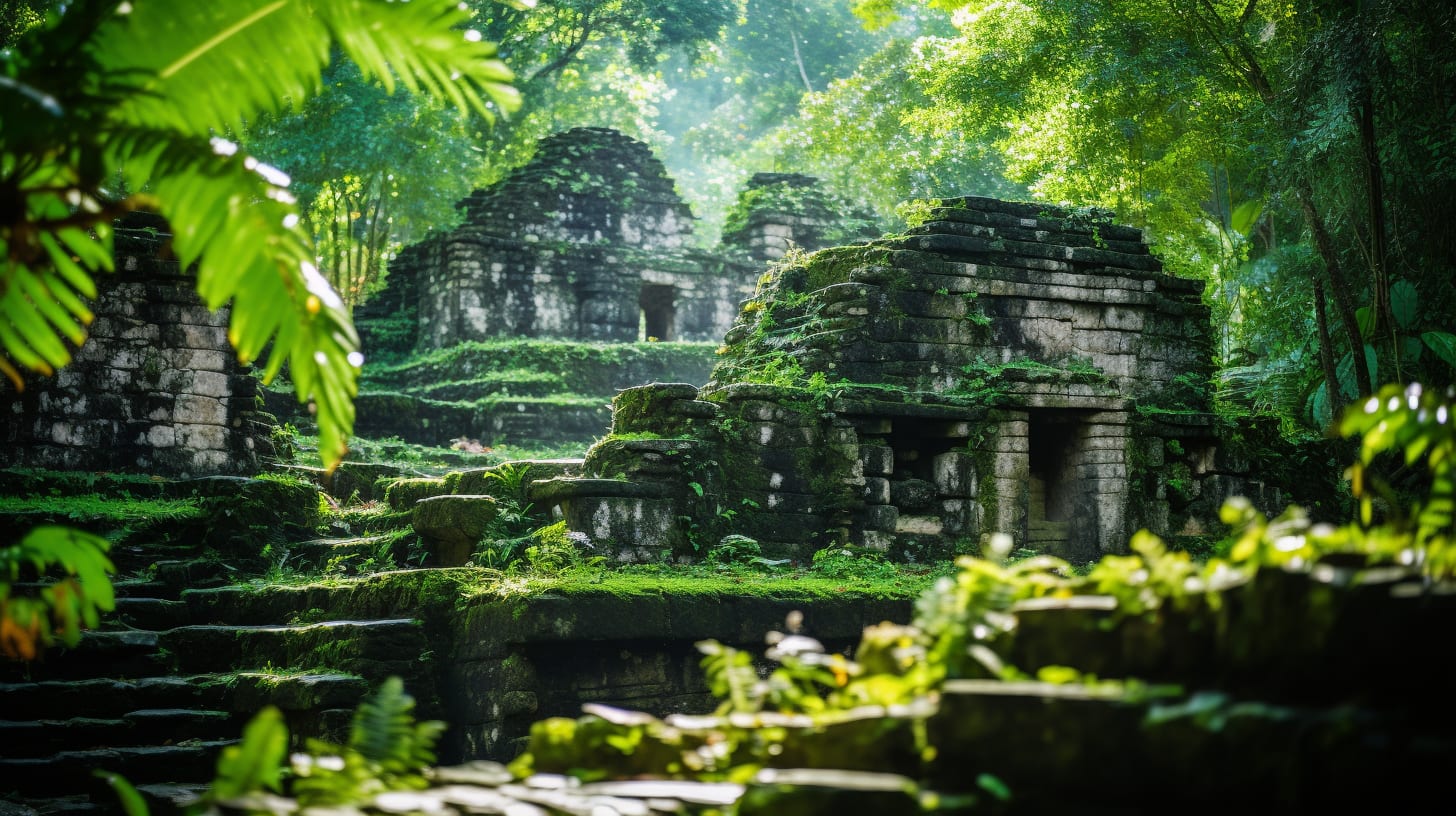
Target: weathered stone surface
column 998, row 345
column 454, row 523
column 156, row 387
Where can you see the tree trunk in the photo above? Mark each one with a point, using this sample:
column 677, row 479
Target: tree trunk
column 1327, row 352
column 1375, row 205
column 1339, row 286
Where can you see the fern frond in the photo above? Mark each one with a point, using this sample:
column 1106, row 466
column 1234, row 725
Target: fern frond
column 383, row 728
column 212, row 65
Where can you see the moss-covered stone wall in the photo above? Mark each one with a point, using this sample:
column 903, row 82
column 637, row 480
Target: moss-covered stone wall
column 156, row 387
column 989, row 372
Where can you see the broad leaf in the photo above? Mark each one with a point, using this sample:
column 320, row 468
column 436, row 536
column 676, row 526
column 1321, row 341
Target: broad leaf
column 1404, row 301
column 1246, row 215
column 256, row 763
column 1345, row 372
column 204, row 66
column 1443, row 344
column 1365, row 319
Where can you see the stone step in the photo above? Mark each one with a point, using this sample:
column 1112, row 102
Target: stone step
column 153, row 614
column 1107, row 749
column 241, row 604
column 146, row 588
column 319, row 553
column 372, row 648
column 158, row 726
column 126, row 653
column 1041, row 532
column 240, row 692
column 193, row 761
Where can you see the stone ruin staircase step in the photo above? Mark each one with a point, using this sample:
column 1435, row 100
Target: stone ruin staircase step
column 318, row 553
column 126, row 653
column 70, row 770
column 104, row 698
column 155, row 698
column 160, row 726
column 1042, row 533
column 379, row 646
column 147, row 613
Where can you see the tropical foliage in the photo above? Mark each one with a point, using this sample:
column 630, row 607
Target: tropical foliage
column 116, row 106
column 80, row 592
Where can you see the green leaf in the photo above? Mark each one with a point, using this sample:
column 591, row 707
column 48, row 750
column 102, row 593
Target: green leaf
column 1345, row 372
column 1319, row 406
column 994, row 786
column 257, row 762
column 1245, row 216
column 1443, row 344
column 1410, row 349
column 132, row 802
column 1404, row 302
column 1365, row 318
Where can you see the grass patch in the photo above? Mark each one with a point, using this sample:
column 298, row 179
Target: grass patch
column 710, row 581
column 101, row 508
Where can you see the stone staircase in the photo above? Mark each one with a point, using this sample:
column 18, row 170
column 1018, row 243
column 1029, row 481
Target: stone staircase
column 172, row 677
column 1042, row 534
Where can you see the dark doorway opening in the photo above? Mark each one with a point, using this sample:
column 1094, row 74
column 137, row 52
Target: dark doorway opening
column 658, row 311
column 1053, row 491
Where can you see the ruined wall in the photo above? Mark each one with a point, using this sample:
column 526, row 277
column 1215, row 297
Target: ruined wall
column 156, row 388
column 1003, row 368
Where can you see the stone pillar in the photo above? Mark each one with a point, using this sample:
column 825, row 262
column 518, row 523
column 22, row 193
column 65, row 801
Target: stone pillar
column 1003, row 495
column 1103, row 449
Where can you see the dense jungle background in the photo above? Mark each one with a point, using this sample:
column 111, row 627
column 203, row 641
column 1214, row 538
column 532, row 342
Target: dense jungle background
column 264, row 642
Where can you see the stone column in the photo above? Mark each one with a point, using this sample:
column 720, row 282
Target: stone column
column 1003, row 495
column 1101, row 461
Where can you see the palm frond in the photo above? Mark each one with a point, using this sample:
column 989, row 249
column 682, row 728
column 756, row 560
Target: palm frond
column 204, row 66
column 233, row 220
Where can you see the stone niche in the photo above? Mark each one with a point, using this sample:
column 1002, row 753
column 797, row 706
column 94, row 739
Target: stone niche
column 589, row 241
column 1003, row 368
column 156, row 387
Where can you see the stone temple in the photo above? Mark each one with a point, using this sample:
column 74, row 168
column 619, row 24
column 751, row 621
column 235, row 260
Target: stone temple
column 590, row 241
column 1002, row 368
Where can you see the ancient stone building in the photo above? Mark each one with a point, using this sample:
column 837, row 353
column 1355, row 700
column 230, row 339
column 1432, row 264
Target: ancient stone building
column 1004, row 367
column 156, row 388
column 779, row 211
column 590, row 241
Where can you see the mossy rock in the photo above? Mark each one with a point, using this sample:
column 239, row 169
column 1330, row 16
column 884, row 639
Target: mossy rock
column 402, row 494
column 454, row 525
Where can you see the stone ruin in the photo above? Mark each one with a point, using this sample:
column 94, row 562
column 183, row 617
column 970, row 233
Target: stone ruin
column 1002, row 368
column 156, row 387
column 590, row 241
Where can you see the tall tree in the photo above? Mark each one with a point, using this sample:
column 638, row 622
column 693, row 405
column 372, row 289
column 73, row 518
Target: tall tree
column 1231, row 129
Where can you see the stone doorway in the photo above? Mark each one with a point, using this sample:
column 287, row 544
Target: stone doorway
column 1053, row 490
column 1076, row 491
column 658, row 311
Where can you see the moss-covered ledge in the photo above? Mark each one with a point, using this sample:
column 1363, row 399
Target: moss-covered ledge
column 623, row 643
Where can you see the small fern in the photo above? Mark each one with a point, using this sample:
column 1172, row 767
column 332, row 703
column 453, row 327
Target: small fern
column 387, row 750
column 385, row 731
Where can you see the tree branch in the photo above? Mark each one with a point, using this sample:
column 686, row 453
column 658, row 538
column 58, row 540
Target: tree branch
column 578, row 42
